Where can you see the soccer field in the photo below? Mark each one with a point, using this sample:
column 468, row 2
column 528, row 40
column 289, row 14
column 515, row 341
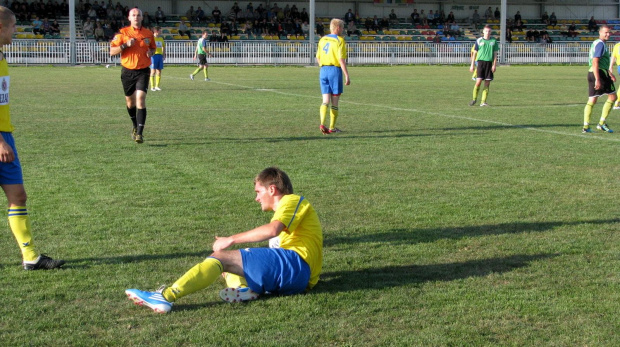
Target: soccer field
column 444, row 224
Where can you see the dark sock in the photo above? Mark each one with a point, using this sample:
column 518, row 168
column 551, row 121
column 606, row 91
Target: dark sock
column 141, row 119
column 132, row 115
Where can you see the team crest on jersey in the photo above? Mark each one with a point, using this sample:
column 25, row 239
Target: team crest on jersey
column 5, row 85
column 4, row 90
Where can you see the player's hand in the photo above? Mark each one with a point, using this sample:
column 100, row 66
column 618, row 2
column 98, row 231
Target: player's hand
column 471, row 69
column 597, row 85
column 130, row 42
column 6, row 153
column 222, row 243
column 493, row 68
column 347, row 81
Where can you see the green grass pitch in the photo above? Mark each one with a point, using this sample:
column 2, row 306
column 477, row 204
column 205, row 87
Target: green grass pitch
column 444, row 224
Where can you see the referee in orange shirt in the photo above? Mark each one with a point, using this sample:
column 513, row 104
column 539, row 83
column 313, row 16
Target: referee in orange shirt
column 136, row 45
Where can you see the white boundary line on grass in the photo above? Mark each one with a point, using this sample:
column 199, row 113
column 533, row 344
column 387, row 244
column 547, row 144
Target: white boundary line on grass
column 430, row 113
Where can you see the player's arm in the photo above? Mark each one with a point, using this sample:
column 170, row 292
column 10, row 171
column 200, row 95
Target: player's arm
column 494, row 61
column 6, row 152
column 597, row 75
column 345, row 72
column 206, row 49
column 262, row 233
column 473, row 60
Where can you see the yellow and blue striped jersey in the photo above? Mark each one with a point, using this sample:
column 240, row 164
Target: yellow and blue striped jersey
column 159, row 42
column 302, row 232
column 5, row 84
column 331, row 49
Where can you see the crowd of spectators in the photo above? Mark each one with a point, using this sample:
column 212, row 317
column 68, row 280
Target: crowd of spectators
column 25, row 11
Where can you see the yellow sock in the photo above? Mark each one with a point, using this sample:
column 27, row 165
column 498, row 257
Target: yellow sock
column 333, row 116
column 234, row 281
column 199, row 277
column 206, row 73
column 606, row 108
column 485, row 93
column 587, row 112
column 476, row 89
column 323, row 113
column 152, row 82
column 157, row 80
column 475, row 74
column 20, row 226
column 617, row 104
column 196, row 71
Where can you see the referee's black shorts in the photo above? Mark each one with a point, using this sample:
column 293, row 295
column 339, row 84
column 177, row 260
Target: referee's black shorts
column 607, row 85
column 135, row 80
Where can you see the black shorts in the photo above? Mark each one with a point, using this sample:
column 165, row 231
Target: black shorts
column 135, row 80
column 485, row 70
column 607, row 85
column 202, row 59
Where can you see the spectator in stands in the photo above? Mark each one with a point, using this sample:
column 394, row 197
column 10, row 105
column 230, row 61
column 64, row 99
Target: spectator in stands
column 475, row 19
column 190, row 14
column 497, row 14
column 440, row 18
column 92, row 14
column 384, row 24
column 294, row 12
column 349, row 16
column 184, row 30
column 36, row 26
column 572, row 30
column 217, row 15
column 519, row 25
column 430, row 18
column 437, row 38
column 393, row 18
column 200, row 15
column 508, row 34
column 88, row 28
column 553, row 20
column 352, row 29
column 592, row 26
column 147, row 21
column 305, row 28
column 545, row 39
column 415, row 17
column 222, row 37
column 545, row 18
column 55, row 28
column 455, row 29
column 536, row 35
column 423, row 18
column 529, row 36
column 99, row 33
column 320, row 30
column 46, row 26
column 451, row 18
column 518, row 16
column 305, row 17
column 160, row 17
column 236, row 10
column 488, row 14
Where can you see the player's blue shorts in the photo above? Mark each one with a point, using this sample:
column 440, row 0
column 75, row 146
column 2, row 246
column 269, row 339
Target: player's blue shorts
column 157, row 62
column 11, row 173
column 330, row 79
column 275, row 270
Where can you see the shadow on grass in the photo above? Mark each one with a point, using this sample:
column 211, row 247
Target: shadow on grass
column 409, row 236
column 501, row 127
column 126, row 259
column 394, row 276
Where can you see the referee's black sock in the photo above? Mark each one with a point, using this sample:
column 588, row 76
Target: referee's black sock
column 141, row 119
column 132, row 115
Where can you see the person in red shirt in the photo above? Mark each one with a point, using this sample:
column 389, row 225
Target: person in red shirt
column 136, row 45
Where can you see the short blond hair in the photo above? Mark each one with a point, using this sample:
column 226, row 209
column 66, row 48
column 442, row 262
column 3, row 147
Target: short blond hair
column 336, row 23
column 5, row 14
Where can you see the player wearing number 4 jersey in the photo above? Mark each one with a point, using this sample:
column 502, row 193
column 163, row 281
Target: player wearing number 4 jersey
column 331, row 56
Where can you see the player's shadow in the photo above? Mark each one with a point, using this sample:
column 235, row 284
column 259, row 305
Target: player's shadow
column 413, row 235
column 517, row 126
column 395, row 276
column 84, row 263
